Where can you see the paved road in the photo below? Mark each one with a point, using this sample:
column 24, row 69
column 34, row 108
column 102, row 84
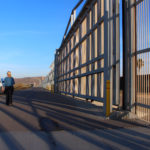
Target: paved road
column 39, row 120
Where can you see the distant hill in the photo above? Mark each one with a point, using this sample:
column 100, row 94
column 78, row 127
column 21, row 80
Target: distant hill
column 35, row 81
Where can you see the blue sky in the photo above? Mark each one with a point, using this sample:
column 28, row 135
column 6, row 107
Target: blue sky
column 30, row 31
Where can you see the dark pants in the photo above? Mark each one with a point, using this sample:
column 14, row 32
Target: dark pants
column 9, row 92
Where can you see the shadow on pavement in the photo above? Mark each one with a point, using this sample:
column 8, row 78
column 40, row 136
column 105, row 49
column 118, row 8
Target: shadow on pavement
column 78, row 117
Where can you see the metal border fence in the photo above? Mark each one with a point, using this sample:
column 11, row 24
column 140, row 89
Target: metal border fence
column 137, row 57
column 89, row 54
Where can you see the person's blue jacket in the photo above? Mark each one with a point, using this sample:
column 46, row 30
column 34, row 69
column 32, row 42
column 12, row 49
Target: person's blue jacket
column 9, row 81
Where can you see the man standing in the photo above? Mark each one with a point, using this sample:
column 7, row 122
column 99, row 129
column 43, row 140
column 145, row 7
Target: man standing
column 9, row 88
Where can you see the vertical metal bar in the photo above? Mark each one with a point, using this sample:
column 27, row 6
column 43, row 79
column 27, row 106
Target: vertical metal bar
column 87, row 53
column 93, row 52
column 117, row 51
column 146, row 88
column 123, row 32
column 62, row 62
column 148, row 85
column 140, row 87
column 148, row 10
column 106, row 46
column 69, row 90
column 125, row 56
column 98, row 46
column 80, row 58
column 141, row 97
column 137, row 26
column 142, row 25
column 130, row 52
column 63, row 68
column 138, row 74
column 140, row 77
column 113, row 53
column 135, row 58
column 55, row 73
column 110, row 53
column 74, row 61
column 146, row 22
column 142, row 101
column 143, row 94
column 66, row 82
column 145, row 55
column 148, row 60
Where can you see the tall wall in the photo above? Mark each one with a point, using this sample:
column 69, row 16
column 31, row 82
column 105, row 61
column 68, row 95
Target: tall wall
column 89, row 55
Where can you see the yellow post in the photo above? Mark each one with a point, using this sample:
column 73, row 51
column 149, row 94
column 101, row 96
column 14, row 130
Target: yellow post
column 107, row 98
column 52, row 88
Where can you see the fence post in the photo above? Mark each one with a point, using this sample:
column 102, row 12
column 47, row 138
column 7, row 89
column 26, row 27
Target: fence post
column 129, row 60
column 116, row 53
column 106, row 54
column 55, row 73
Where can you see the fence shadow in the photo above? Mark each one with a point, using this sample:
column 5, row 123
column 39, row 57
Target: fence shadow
column 72, row 116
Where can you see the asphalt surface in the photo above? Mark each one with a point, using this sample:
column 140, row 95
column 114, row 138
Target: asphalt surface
column 39, row 120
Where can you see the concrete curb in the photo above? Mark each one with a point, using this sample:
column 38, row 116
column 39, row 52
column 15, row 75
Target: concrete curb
column 123, row 115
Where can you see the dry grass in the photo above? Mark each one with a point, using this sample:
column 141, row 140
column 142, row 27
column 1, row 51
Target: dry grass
column 22, row 86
